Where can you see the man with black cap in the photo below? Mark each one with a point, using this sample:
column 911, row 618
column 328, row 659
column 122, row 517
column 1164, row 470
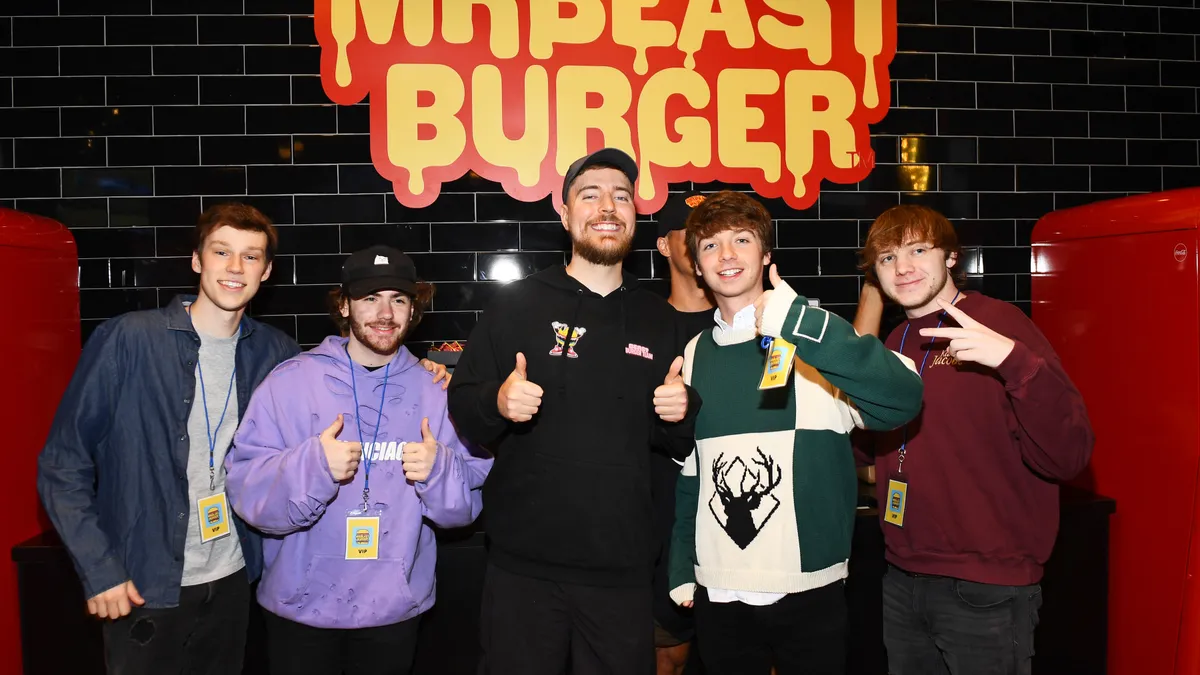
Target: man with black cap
column 345, row 457
column 570, row 377
column 673, row 625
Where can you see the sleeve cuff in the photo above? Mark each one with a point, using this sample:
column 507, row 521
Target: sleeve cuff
column 110, row 573
column 1020, row 365
column 777, row 309
column 683, row 593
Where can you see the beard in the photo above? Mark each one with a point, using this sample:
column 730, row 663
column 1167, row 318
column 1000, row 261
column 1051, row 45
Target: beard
column 601, row 254
column 929, row 295
column 383, row 345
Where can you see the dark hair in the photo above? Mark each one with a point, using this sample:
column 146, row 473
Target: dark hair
column 905, row 224
column 338, row 296
column 728, row 210
column 240, row 217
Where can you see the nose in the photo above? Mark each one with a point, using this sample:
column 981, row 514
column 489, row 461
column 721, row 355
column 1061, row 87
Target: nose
column 235, row 264
column 903, row 265
column 607, row 205
column 726, row 252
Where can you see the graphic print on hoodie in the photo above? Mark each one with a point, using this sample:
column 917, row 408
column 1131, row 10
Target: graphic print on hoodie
column 569, row 498
column 280, row 483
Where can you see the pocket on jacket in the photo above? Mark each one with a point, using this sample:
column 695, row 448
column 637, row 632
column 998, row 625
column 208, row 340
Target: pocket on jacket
column 983, row 596
column 353, row 593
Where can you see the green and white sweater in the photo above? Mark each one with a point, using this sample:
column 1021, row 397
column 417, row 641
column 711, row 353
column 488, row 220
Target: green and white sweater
column 766, row 502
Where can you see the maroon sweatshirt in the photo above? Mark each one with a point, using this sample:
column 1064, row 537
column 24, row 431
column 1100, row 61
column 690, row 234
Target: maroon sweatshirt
column 983, row 454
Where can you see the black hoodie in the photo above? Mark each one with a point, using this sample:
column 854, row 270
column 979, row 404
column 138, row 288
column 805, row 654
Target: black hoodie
column 568, row 498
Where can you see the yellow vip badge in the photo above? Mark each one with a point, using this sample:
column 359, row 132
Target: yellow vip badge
column 781, row 355
column 214, row 517
column 897, row 500
column 362, row 538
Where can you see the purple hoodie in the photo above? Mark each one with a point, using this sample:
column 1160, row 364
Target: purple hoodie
column 279, row 482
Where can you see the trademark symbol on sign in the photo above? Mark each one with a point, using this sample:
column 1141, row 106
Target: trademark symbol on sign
column 866, row 157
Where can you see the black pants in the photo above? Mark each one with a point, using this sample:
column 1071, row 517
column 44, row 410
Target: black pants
column 534, row 627
column 937, row 625
column 205, row 634
column 802, row 633
column 296, row 649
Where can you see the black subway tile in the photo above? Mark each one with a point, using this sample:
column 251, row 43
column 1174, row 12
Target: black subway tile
column 339, row 209
column 1016, row 205
column 1005, row 96
column 224, row 89
column 795, row 262
column 975, row 178
column 274, row 180
column 1006, row 260
column 913, row 66
column 1066, row 200
column 154, row 151
column 1086, row 43
column 33, row 8
column 864, row 205
column 354, row 119
column 202, row 120
column 303, row 31
column 937, row 94
column 57, row 31
column 1051, row 123
column 1011, row 41
column 974, row 13
column 1180, row 126
column 1122, row 71
column 104, row 60
column 1088, row 97
column 308, row 89
column 320, row 268
column 305, row 239
column 1180, row 74
column 196, row 6
column 1050, row 15
column 279, row 300
column 407, row 237
column 839, row 261
column 291, row 119
column 984, row 232
column 1089, row 151
column 929, row 39
column 244, row 30
column 975, row 67
column 107, row 182
column 332, row 149
column 283, row 60
column 825, row 233
column 902, row 121
column 1160, row 99
column 362, row 178
column 107, row 303
column 975, row 122
column 1180, row 177
column 1180, row 20
column 475, row 236
column 1160, row 46
column 1169, row 152
column 1020, row 151
column 949, row 204
column 445, row 326
column 1050, row 69
column 192, row 60
column 30, row 183
column 1126, row 178
column 57, row 91
column 898, row 177
column 81, row 212
column 1124, row 125
column 197, row 180
column 30, row 61
column 501, row 207
column 464, row 296
column 150, row 30
column 115, row 242
column 828, row 289
column 6, row 153
column 1053, row 178
column 29, row 122
column 179, row 90
column 917, row 11
column 106, row 8
column 107, row 121
column 37, row 152
column 776, row 206
column 154, row 212
column 545, row 236
column 225, row 150
column 1127, row 19
column 278, row 208
column 512, row 266
column 445, row 266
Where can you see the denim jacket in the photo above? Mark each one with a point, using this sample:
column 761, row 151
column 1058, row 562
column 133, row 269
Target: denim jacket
column 113, row 474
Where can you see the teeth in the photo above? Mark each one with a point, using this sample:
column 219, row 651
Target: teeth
column 231, row 284
column 606, row 228
column 728, row 273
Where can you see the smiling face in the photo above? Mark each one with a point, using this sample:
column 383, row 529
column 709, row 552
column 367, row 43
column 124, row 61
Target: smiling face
column 914, row 274
column 380, row 321
column 600, row 216
column 731, row 263
column 232, row 264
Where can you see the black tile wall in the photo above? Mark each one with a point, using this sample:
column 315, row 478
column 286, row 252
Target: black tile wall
column 123, row 119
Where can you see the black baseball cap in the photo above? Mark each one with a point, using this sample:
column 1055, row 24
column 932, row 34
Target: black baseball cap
column 674, row 214
column 378, row 268
column 612, row 156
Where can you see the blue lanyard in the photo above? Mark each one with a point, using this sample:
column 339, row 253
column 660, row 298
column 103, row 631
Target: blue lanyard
column 358, row 422
column 920, row 372
column 212, row 442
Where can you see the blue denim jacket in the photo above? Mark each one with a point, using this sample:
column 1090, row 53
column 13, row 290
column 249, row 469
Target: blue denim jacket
column 113, row 474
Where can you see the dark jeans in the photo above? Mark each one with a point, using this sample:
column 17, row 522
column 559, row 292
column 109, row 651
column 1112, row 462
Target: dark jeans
column 802, row 633
column 297, row 649
column 943, row 625
column 534, row 627
column 205, row 634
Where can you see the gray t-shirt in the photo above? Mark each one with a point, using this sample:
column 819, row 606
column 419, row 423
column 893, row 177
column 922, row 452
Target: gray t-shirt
column 217, row 559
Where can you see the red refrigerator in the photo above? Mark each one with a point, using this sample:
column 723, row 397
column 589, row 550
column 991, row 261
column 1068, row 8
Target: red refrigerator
column 1114, row 289
column 40, row 344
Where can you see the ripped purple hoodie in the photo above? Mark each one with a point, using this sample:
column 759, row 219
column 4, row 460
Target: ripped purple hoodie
column 279, row 482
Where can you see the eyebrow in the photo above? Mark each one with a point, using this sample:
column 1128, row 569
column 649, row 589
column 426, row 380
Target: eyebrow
column 593, row 186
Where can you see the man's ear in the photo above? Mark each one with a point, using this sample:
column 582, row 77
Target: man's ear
column 196, row 267
column 663, row 248
column 267, row 272
column 344, row 309
column 766, row 259
column 563, row 215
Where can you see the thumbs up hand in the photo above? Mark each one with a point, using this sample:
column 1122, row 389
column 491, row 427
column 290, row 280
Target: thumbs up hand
column 343, row 457
column 519, row 399
column 670, row 398
column 417, row 458
column 760, row 305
